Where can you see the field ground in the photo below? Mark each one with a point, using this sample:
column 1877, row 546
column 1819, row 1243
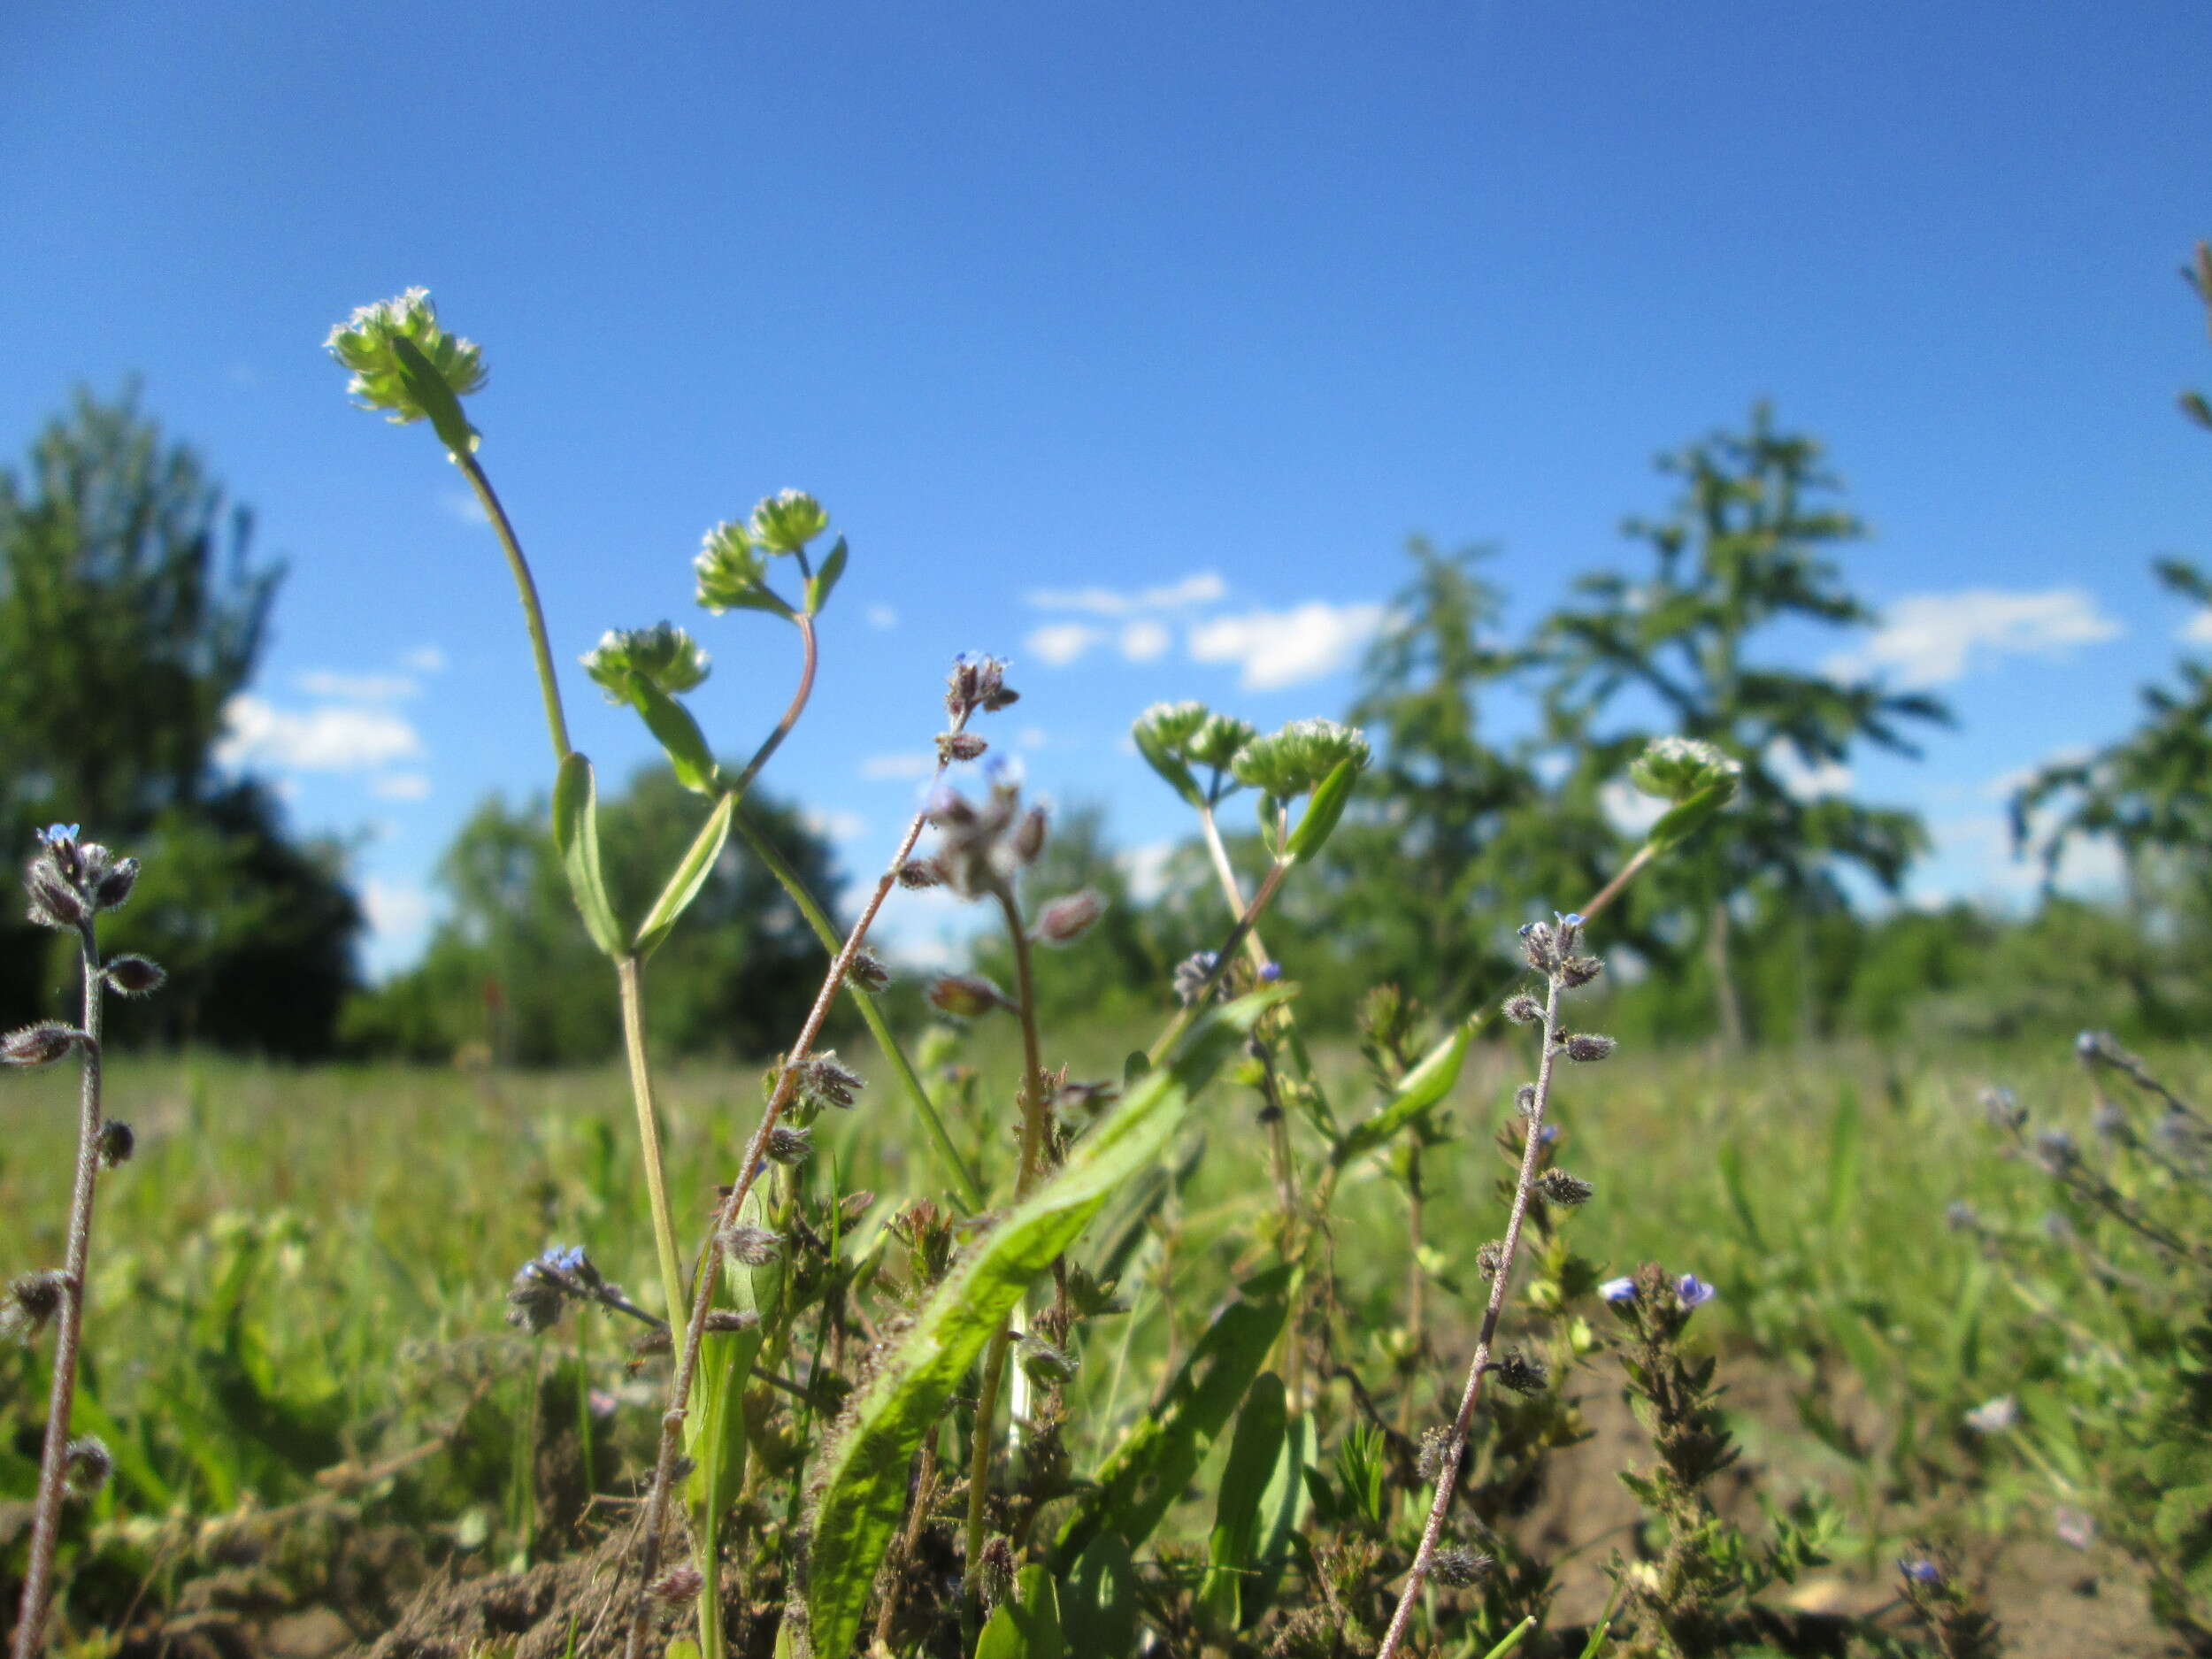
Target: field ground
column 299, row 1286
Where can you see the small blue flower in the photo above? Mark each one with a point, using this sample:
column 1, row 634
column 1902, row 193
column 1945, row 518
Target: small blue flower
column 1693, row 1292
column 1271, row 972
column 1572, row 918
column 1548, row 1133
column 1920, row 1570
column 1618, row 1290
column 564, row 1258
column 54, row 834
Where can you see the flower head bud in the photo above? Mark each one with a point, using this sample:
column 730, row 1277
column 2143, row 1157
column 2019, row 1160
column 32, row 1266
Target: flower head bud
column 1028, row 839
column 1524, row 1009
column 967, row 995
column 1294, row 761
column 1570, row 1192
column 958, row 746
column 663, row 654
column 1524, row 1373
column 869, row 972
column 731, row 572
column 365, row 343
column 1044, row 1363
column 1219, row 741
column 1457, row 1567
column 118, row 1141
column 1586, row 1048
column 678, row 1586
column 1676, row 768
column 134, row 975
column 1692, row 1292
column 1066, row 919
column 1171, row 726
column 32, row 1301
column 790, row 1144
column 37, row 1045
column 1191, row 975
column 113, row 887
column 749, row 1247
column 86, row 1464
column 977, row 682
column 1577, row 971
column 786, row 521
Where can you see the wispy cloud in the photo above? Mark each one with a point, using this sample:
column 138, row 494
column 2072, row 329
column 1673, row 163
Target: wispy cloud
column 882, row 617
column 1933, row 639
column 330, row 738
column 398, row 914
column 324, row 682
column 1804, row 781
column 837, row 825
column 1202, row 589
column 877, row 768
column 1274, row 649
column 462, row 507
column 401, row 785
column 1057, row 644
column 2198, row 629
column 424, row 659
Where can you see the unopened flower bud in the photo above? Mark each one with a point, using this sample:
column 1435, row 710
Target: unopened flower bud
column 1588, row 1046
column 134, row 975
column 678, row 1586
column 365, row 344
column 32, row 1301
column 86, row 1464
column 37, row 1045
column 55, row 902
column 869, row 972
column 1457, row 1567
column 725, row 1321
column 1436, row 1447
column 976, row 682
column 117, row 1144
column 1490, row 1258
column 114, row 887
column 968, row 995
column 916, row 873
column 1524, row 1100
column 1192, row 973
column 994, row 1570
column 1575, row 971
column 957, row 746
column 787, row 1143
column 1524, row 1373
column 1556, row 1186
column 750, row 1246
column 1066, row 919
column 1028, row 839
column 786, row 521
column 1524, row 1009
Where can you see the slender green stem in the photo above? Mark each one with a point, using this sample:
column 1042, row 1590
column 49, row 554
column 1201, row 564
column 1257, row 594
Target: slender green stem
column 533, row 612
column 1036, row 1113
column 1231, row 887
column 964, row 1179
column 629, row 975
column 1164, row 1045
column 810, row 655
column 53, row 1469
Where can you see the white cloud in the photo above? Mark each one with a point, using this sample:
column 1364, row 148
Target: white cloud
column 2198, row 629
column 1806, row 783
column 882, row 617
column 1275, row 648
column 396, row 911
column 462, row 506
column 401, row 785
column 332, row 738
column 1201, row 589
column 1141, row 641
column 1146, row 869
column 324, row 682
column 1931, row 639
column 2005, row 785
column 879, row 767
column 424, row 659
column 1628, row 809
column 1973, row 858
column 837, row 825
column 1060, row 643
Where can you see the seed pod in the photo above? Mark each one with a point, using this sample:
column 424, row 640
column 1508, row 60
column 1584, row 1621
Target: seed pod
column 1524, row 1373
column 750, row 1246
column 969, row 995
column 869, row 972
column 1522, row 1010
column 1457, row 1567
column 134, row 975
column 1067, row 919
column 41, row 1044
column 957, row 746
column 915, row 873
column 86, row 1464
column 1556, row 1186
column 54, row 903
column 1029, row 836
column 117, row 1144
column 115, row 887
column 1587, row 1048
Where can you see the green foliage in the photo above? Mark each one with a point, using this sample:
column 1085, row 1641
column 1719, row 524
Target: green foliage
column 130, row 615
column 511, row 966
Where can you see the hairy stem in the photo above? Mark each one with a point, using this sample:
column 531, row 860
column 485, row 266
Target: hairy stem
column 30, row 1621
column 1036, row 1113
column 1455, row 1449
column 656, row 1515
column 533, row 612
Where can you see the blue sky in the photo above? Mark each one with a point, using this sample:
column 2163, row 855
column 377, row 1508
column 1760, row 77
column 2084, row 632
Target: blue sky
column 1185, row 315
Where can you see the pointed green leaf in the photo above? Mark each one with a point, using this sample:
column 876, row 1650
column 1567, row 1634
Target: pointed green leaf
column 429, row 388
column 1324, row 807
column 576, row 838
column 1418, row 1090
column 1232, row 1549
column 825, row 582
column 1026, row 1625
column 864, row 1474
column 1098, row 1600
column 1682, row 822
column 691, row 876
column 1513, row 1638
column 678, row 734
column 1145, row 1475
column 1282, row 1515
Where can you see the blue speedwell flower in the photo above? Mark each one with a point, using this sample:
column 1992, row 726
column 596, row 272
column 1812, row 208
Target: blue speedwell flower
column 1618, row 1290
column 54, row 833
column 1693, row 1292
column 1920, row 1570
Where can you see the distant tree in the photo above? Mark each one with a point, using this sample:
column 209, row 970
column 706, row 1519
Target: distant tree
column 511, row 967
column 1746, row 549
column 130, row 614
